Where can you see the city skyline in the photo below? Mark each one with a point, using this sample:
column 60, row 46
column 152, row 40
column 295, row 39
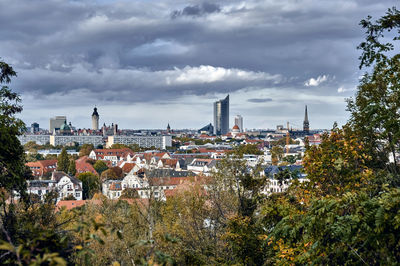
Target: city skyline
column 147, row 63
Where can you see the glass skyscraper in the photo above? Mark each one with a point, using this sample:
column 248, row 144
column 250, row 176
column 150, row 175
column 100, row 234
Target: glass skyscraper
column 221, row 116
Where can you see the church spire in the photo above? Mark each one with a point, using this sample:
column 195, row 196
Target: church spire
column 306, row 123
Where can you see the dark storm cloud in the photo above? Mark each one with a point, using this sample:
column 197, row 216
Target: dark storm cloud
column 132, row 51
column 259, row 100
column 196, row 10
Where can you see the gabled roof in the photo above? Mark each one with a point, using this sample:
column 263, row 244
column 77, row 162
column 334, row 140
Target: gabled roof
column 127, row 167
column 57, row 175
column 83, row 166
column 165, row 172
column 101, row 153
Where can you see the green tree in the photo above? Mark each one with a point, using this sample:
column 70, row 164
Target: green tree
column 109, row 175
column 63, row 161
column 119, row 146
column 236, row 192
column 247, row 149
column 33, row 157
column 72, row 167
column 86, row 149
column 100, row 166
column 276, row 154
column 12, row 168
column 27, row 229
column 90, row 183
column 290, row 159
column 129, row 193
column 374, row 111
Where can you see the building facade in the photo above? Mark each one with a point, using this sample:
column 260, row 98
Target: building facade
column 239, row 122
column 57, row 122
column 38, row 139
column 159, row 142
column 221, row 116
column 67, row 140
column 95, row 119
column 35, row 128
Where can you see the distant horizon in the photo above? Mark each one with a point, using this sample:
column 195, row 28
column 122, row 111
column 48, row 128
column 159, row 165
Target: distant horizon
column 147, row 63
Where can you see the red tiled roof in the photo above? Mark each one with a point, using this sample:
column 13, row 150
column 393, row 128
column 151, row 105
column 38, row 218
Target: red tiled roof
column 100, row 153
column 169, row 162
column 127, row 167
column 70, row 204
column 43, row 167
column 83, row 166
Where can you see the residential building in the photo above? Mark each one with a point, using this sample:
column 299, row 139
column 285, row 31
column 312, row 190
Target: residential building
column 112, row 155
column 67, row 185
column 61, row 183
column 112, row 189
column 38, row 139
column 82, row 166
column 202, row 166
column 221, row 116
column 274, row 185
column 42, row 168
column 159, row 142
column 56, row 152
column 41, row 187
column 72, row 139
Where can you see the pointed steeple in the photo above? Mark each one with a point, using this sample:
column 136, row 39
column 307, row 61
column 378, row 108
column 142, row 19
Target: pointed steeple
column 306, row 123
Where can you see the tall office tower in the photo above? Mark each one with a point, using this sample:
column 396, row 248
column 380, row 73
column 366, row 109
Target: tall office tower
column 95, row 119
column 57, row 122
column 35, row 127
column 221, row 116
column 239, row 122
column 306, row 123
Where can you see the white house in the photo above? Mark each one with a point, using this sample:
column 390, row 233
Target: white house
column 60, row 182
column 204, row 166
column 67, row 185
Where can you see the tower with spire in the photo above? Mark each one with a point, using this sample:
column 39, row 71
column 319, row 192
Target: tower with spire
column 95, row 119
column 306, row 123
column 168, row 129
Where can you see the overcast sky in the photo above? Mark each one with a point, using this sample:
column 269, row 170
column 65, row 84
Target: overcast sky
column 146, row 63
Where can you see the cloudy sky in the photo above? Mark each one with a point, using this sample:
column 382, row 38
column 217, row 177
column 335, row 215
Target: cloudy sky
column 145, row 63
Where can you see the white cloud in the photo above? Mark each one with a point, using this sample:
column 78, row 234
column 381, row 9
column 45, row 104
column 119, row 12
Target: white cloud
column 210, row 74
column 312, row 82
column 342, row 89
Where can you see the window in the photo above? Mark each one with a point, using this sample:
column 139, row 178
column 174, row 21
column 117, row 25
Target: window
column 77, row 195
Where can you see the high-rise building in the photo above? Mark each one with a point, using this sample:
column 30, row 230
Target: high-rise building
column 306, row 123
column 35, row 127
column 95, row 119
column 57, row 122
column 239, row 122
column 221, row 116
